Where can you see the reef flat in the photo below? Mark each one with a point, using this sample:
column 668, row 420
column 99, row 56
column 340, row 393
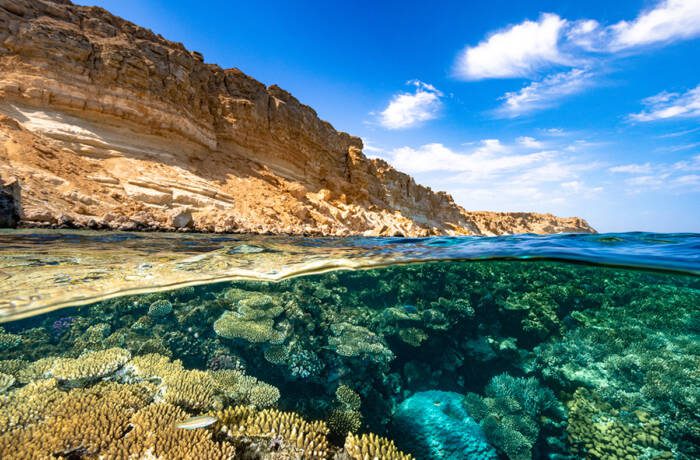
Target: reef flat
column 434, row 360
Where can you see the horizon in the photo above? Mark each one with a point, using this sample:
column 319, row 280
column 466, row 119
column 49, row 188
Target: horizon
column 585, row 110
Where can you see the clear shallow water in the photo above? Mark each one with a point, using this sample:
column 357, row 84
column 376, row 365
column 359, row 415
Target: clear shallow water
column 513, row 347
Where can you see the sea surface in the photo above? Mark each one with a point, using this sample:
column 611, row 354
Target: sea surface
column 175, row 345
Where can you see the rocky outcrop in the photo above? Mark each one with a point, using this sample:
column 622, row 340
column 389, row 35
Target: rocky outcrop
column 104, row 124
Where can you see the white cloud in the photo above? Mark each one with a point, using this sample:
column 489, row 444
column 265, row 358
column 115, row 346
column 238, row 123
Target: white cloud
column 518, row 51
column 670, row 105
column 668, row 21
column 406, row 110
column 545, row 93
column 632, row 168
column 529, row 48
column 530, row 142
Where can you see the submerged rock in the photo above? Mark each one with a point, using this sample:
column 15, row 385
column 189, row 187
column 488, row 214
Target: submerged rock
column 434, row 425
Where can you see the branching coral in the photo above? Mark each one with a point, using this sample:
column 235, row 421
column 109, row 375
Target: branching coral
column 511, row 412
column 296, row 436
column 233, row 325
column 371, row 446
column 90, row 366
column 6, row 381
column 83, row 421
column 239, row 388
column 153, row 434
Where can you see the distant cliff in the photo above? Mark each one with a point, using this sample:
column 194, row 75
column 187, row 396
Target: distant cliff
column 104, row 124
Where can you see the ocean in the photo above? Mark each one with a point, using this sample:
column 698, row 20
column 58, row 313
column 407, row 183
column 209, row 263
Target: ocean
column 517, row 347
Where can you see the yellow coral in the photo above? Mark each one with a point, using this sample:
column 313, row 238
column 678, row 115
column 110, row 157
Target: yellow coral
column 239, row 388
column 152, row 366
column 91, row 365
column 27, row 405
column 12, row 366
column 191, row 389
column 298, row 437
column 83, row 421
column 154, row 435
column 597, row 430
column 6, row 381
column 36, row 370
column 373, row 447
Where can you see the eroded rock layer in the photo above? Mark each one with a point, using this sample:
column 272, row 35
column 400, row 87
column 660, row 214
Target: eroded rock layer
column 104, row 124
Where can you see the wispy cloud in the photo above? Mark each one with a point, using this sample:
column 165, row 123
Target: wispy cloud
column 678, row 177
column 668, row 21
column 517, row 51
column 406, row 110
column 667, row 105
column 545, row 93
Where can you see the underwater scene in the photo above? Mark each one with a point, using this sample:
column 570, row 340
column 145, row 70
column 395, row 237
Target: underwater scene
column 134, row 346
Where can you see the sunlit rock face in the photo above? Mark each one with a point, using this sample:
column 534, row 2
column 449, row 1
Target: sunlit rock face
column 104, row 124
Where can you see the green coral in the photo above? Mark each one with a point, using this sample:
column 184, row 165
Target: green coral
column 160, row 308
column 511, row 413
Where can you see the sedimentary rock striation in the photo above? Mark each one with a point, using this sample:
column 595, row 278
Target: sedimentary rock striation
column 105, row 124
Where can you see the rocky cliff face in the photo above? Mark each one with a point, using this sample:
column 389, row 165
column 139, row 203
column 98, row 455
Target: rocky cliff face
column 104, row 124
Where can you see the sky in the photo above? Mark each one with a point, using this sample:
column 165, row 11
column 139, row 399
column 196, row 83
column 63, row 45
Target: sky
column 575, row 108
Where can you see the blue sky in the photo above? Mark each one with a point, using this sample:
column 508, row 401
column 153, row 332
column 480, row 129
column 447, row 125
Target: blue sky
column 576, row 108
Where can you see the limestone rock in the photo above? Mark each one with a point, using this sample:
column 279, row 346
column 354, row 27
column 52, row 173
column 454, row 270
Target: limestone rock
column 122, row 129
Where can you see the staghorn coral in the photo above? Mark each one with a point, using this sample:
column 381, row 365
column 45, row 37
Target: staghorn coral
column 296, row 436
column 191, row 389
column 371, row 446
column 27, row 405
column 153, row 435
column 90, row 366
column 12, row 366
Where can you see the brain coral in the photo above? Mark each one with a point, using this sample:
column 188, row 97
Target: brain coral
column 435, row 425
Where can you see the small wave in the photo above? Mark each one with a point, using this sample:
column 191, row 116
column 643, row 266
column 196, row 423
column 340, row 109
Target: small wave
column 49, row 269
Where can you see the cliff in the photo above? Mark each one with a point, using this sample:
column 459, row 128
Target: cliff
column 104, row 124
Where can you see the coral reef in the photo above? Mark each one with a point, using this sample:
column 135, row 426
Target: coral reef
column 351, row 348
column 160, row 308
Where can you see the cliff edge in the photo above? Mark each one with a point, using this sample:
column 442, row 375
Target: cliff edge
column 104, row 124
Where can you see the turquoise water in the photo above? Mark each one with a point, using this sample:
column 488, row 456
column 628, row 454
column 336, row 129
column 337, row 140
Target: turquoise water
column 563, row 346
